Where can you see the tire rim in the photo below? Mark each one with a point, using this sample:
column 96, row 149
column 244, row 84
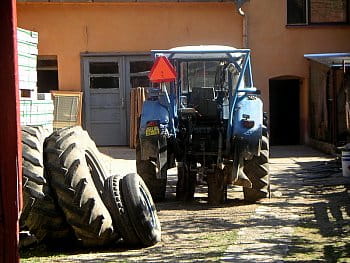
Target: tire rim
column 147, row 204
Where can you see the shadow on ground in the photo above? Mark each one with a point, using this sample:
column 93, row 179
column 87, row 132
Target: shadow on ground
column 309, row 223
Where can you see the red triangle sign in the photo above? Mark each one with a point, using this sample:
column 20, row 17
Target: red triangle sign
column 162, row 71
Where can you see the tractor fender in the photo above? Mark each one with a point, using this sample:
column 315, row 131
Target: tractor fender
column 152, row 110
column 154, row 147
column 247, row 123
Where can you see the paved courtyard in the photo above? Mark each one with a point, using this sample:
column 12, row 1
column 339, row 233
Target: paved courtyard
column 306, row 220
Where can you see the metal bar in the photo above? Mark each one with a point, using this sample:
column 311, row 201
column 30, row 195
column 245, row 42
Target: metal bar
column 200, row 51
column 233, row 102
column 237, row 66
column 327, row 55
column 106, row 75
column 10, row 142
column 113, row 54
column 251, row 84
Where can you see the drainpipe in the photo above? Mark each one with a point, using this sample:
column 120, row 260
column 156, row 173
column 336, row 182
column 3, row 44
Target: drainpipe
column 239, row 4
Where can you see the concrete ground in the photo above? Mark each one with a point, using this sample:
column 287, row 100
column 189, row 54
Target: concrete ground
column 269, row 233
column 306, row 220
column 118, row 160
column 311, row 200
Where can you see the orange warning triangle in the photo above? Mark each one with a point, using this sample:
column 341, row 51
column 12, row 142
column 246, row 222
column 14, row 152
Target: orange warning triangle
column 162, row 71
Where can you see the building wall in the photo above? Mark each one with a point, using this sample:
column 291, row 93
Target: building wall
column 278, row 50
column 67, row 29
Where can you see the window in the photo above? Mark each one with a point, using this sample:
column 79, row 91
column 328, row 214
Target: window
column 47, row 73
column 296, row 12
column 310, row 12
column 139, row 73
column 198, row 74
column 104, row 75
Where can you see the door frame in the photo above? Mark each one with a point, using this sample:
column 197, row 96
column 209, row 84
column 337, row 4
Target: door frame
column 123, row 59
column 87, row 94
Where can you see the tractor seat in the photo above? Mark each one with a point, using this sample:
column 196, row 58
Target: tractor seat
column 202, row 93
column 203, row 100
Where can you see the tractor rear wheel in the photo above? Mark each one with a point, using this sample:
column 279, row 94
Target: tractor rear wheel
column 41, row 214
column 186, row 183
column 257, row 170
column 147, row 170
column 77, row 179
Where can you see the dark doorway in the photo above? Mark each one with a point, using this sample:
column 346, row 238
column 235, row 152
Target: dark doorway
column 47, row 72
column 284, row 111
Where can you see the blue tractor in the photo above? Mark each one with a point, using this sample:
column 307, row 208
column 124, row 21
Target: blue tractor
column 208, row 122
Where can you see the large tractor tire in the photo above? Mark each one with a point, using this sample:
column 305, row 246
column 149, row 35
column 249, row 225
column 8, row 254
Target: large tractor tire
column 116, row 206
column 141, row 209
column 257, row 170
column 32, row 168
column 41, row 214
column 186, row 183
column 147, row 170
column 77, row 178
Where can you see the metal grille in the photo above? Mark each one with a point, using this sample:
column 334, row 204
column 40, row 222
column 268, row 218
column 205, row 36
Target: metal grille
column 67, row 109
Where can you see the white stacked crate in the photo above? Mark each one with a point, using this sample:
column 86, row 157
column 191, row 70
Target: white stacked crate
column 35, row 108
column 27, row 58
column 37, row 112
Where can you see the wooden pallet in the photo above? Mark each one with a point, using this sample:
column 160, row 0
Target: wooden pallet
column 137, row 97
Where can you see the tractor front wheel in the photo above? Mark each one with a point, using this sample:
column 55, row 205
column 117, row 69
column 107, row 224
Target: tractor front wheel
column 257, row 170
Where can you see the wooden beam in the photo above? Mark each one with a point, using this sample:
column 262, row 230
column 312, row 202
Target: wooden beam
column 10, row 145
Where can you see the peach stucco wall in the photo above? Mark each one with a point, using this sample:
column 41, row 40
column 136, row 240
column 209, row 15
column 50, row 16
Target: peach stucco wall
column 67, row 29
column 278, row 50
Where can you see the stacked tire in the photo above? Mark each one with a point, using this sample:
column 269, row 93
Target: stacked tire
column 41, row 214
column 132, row 207
column 67, row 194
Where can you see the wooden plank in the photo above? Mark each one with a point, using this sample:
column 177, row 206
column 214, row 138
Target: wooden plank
column 10, row 139
column 136, row 115
column 139, row 109
column 137, row 97
column 132, row 113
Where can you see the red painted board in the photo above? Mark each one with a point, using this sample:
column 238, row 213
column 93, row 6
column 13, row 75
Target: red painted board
column 10, row 146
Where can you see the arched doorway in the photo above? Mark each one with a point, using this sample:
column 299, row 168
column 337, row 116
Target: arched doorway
column 284, row 98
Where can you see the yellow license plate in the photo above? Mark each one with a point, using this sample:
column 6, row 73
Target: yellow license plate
column 152, row 131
